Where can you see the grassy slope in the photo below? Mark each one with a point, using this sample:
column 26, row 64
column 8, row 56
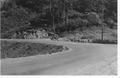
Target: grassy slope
column 19, row 49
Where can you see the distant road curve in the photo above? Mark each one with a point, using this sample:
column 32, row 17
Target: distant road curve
column 81, row 59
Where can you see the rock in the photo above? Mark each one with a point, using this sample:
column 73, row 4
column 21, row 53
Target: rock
column 65, row 48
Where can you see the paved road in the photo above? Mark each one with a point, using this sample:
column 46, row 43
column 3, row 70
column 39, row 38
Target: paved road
column 81, row 59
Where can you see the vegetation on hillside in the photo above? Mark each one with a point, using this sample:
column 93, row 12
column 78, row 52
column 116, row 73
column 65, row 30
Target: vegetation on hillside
column 56, row 16
column 13, row 49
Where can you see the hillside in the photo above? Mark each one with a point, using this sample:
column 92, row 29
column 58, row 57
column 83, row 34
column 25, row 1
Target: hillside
column 93, row 33
column 62, row 18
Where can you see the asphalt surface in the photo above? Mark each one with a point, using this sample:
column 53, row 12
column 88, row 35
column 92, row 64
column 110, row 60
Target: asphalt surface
column 80, row 59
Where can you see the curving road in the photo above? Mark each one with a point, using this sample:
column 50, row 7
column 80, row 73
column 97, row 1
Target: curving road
column 81, row 59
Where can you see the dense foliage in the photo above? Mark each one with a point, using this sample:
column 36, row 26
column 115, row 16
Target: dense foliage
column 56, row 15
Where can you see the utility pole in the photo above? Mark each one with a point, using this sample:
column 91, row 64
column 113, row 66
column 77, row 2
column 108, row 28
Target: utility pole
column 65, row 12
column 102, row 33
column 102, row 29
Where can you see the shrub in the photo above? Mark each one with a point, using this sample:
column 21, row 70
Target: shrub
column 94, row 18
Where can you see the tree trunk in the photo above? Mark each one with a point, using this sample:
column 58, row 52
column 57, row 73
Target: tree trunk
column 53, row 24
column 52, row 15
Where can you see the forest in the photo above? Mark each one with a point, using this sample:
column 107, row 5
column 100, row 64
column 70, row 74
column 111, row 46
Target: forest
column 57, row 16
